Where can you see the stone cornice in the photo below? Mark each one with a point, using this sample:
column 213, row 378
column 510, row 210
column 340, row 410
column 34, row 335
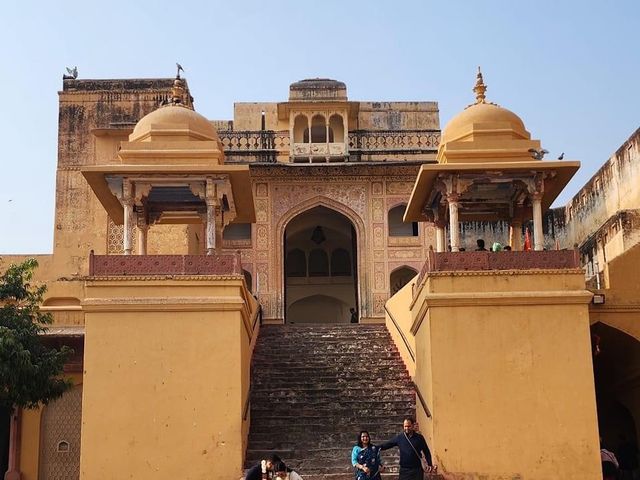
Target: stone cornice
column 499, row 299
column 115, row 280
column 493, row 273
column 360, row 169
column 152, row 304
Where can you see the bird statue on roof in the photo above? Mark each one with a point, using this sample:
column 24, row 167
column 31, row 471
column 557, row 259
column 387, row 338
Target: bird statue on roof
column 180, row 69
column 72, row 73
column 561, row 156
column 538, row 154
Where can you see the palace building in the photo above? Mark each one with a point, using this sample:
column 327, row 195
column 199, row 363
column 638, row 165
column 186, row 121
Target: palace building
column 180, row 242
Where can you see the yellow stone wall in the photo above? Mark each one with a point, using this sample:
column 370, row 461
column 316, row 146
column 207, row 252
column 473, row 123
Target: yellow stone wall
column 166, row 378
column 503, row 361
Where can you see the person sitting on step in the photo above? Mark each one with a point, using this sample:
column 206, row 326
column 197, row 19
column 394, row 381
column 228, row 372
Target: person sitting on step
column 255, row 472
column 284, row 473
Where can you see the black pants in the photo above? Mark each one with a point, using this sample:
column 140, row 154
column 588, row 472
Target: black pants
column 410, row 473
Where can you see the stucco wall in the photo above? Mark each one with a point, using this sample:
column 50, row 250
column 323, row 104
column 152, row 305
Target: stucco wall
column 504, row 364
column 166, row 379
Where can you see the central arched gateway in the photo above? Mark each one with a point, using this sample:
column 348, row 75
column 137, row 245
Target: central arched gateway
column 320, row 252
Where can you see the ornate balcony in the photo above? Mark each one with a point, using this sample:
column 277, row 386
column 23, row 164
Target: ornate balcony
column 137, row 265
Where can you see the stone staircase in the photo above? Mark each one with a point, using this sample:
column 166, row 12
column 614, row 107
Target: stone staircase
column 314, row 387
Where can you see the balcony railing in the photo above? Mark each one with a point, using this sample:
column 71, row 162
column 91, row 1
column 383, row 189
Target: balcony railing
column 397, row 141
column 480, row 261
column 136, row 265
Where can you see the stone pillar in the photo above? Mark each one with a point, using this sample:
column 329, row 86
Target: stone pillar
column 454, row 227
column 515, row 235
column 326, row 128
column 538, row 236
column 440, row 240
column 210, row 224
column 143, row 230
column 127, row 203
column 345, row 136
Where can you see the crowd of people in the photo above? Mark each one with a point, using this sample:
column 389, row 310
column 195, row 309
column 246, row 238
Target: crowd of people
column 415, row 458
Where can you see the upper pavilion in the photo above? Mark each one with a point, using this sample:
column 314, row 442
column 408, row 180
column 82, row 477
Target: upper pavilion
column 488, row 169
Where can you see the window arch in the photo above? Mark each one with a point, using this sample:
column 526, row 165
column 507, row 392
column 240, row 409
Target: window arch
column 318, row 263
column 400, row 277
column 340, row 263
column 318, row 129
column 397, row 228
column 336, row 128
column 296, row 263
column 300, row 129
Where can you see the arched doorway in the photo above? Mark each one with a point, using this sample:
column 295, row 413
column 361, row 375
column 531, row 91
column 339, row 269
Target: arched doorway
column 320, row 267
column 617, row 382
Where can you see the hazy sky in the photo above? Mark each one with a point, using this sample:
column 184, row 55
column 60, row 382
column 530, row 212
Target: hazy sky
column 570, row 69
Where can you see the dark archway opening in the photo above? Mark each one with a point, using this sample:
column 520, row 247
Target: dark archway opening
column 617, row 381
column 321, row 282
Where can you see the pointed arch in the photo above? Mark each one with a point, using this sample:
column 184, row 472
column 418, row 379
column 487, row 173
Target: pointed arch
column 358, row 227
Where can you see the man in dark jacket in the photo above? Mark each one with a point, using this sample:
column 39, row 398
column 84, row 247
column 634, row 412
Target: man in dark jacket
column 412, row 446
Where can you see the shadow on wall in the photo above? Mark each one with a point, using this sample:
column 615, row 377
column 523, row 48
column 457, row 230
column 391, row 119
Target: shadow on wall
column 318, row 309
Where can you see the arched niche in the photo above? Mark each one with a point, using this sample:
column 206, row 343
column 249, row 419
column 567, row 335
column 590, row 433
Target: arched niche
column 400, row 277
column 398, row 228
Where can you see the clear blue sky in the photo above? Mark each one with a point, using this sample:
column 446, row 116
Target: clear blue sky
column 570, row 69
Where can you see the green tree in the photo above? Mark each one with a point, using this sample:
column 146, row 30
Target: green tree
column 30, row 371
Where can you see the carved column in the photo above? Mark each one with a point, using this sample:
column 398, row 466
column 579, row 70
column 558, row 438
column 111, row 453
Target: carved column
column 309, row 127
column 440, row 240
column 515, row 235
column 345, row 133
column 538, row 236
column 213, row 204
column 143, row 229
column 454, row 227
column 326, row 127
column 127, row 203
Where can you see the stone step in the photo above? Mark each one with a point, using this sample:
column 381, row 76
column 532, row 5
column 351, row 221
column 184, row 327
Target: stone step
column 315, row 387
column 324, row 429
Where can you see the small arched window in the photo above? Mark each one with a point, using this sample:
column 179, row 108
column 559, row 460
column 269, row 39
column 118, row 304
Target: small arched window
column 318, row 263
column 400, row 277
column 296, row 263
column 340, row 263
column 397, row 228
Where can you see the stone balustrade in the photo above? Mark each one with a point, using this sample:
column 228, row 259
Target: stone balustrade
column 136, row 265
column 505, row 260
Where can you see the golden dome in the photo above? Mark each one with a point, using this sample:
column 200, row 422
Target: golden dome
column 484, row 119
column 173, row 121
column 484, row 116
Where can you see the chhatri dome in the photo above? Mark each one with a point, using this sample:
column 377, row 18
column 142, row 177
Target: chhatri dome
column 174, row 122
column 484, row 123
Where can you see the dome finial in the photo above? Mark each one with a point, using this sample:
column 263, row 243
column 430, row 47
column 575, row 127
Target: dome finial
column 479, row 88
column 177, row 91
